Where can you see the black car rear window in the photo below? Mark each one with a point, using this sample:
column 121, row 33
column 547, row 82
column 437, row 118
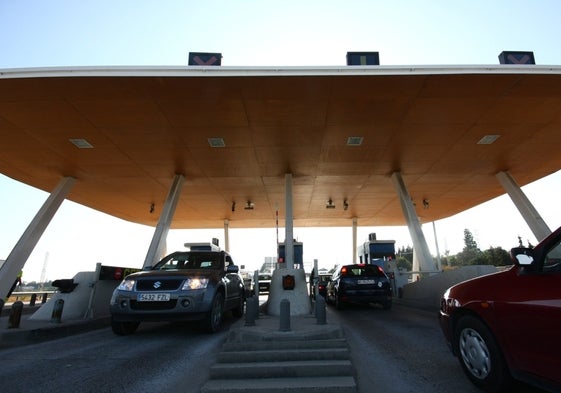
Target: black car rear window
column 190, row 260
column 362, row 270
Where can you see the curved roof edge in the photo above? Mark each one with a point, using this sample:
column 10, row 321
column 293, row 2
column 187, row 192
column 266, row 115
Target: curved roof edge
column 197, row 71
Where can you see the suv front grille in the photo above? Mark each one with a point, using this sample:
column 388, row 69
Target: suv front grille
column 165, row 284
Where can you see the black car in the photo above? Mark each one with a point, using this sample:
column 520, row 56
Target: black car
column 265, row 281
column 320, row 282
column 359, row 283
column 183, row 286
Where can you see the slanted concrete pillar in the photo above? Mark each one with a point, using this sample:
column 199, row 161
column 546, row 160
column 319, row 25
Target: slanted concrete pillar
column 420, row 245
column 536, row 223
column 25, row 245
column 158, row 243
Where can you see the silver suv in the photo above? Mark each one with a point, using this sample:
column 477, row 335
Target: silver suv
column 199, row 284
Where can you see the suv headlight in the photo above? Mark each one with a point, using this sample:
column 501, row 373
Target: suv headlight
column 195, row 283
column 126, row 285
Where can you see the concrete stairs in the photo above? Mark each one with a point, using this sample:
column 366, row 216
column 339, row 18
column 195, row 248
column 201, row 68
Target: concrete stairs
column 291, row 364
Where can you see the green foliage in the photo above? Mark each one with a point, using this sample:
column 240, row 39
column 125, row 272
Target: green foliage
column 497, row 256
column 472, row 255
column 404, row 264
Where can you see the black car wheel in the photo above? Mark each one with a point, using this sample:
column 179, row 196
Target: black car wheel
column 237, row 312
column 211, row 322
column 339, row 305
column 124, row 328
column 480, row 356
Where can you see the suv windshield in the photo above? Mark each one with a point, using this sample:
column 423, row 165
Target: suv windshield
column 190, row 260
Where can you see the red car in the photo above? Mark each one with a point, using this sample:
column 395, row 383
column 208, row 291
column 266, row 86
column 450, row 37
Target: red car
column 507, row 326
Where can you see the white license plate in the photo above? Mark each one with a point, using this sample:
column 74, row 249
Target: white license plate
column 153, row 297
column 366, row 282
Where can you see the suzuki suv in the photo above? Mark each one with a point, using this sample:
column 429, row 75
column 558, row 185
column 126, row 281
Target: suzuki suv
column 199, row 284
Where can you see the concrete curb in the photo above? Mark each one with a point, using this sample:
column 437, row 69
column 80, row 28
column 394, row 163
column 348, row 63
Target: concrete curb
column 36, row 332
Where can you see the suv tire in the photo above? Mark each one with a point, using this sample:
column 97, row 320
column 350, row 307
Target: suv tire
column 124, row 328
column 211, row 321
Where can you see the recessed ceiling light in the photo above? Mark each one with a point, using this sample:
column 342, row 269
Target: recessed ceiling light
column 488, row 139
column 216, row 142
column 354, row 141
column 81, row 143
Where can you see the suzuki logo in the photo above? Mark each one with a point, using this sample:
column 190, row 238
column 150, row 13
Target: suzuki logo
column 157, row 285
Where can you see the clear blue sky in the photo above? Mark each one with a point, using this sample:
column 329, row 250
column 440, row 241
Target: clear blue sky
column 263, row 33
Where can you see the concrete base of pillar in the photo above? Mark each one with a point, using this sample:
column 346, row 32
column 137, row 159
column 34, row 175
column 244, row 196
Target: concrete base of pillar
column 298, row 297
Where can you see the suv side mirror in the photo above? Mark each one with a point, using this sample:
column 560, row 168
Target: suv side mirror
column 232, row 269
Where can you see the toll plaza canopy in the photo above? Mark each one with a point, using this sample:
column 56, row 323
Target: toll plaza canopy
column 124, row 133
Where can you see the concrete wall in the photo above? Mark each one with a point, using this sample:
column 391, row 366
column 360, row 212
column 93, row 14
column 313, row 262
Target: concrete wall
column 90, row 299
column 426, row 292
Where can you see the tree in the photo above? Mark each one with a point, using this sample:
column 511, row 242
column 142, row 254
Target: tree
column 497, row 256
column 469, row 242
column 471, row 254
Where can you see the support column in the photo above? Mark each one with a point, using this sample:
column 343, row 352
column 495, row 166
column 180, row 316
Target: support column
column 25, row 245
column 289, row 232
column 158, row 243
column 420, row 245
column 536, row 223
column 438, row 260
column 355, row 223
column 226, row 235
column 281, row 290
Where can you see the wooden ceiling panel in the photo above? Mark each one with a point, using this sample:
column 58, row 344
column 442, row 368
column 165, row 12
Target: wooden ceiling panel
column 121, row 113
column 357, row 111
column 264, row 136
column 286, row 113
column 148, row 126
column 467, row 86
column 205, row 113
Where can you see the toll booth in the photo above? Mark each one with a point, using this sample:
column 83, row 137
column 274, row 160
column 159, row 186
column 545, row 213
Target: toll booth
column 298, row 255
column 380, row 253
column 213, row 246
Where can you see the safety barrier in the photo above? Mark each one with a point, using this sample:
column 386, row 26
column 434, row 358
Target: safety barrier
column 31, row 295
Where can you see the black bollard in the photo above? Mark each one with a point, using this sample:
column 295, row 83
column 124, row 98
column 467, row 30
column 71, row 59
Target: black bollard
column 44, row 298
column 284, row 315
column 252, row 309
column 15, row 315
column 56, row 316
column 33, row 299
column 320, row 311
column 1, row 306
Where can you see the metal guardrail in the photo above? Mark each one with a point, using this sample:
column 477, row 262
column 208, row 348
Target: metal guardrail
column 33, row 295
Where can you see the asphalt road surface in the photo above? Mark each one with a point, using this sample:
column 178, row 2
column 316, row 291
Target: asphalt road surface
column 401, row 350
